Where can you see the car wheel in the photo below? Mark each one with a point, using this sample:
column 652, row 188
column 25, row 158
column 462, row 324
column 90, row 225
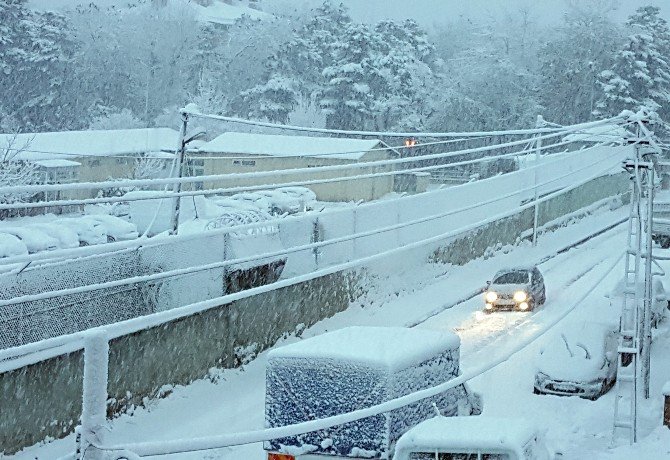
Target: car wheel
column 111, row 239
column 665, row 243
column 536, row 391
column 83, row 243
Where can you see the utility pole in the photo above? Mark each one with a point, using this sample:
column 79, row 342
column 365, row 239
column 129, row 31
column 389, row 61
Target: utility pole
column 635, row 323
column 540, row 123
column 181, row 153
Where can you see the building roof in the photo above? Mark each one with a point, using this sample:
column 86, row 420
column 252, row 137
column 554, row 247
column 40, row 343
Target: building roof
column 290, row 146
column 73, row 144
column 391, row 348
column 57, row 163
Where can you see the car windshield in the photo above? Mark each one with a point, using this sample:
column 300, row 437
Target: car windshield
column 514, row 277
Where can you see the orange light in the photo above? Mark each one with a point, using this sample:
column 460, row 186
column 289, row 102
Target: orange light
column 273, row 456
column 410, row 142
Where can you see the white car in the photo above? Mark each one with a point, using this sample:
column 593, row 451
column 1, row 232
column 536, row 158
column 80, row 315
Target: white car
column 254, row 199
column 66, row 237
column 579, row 361
column 90, row 232
column 116, row 228
column 11, row 246
column 282, row 203
column 306, row 196
column 473, row 438
column 34, row 239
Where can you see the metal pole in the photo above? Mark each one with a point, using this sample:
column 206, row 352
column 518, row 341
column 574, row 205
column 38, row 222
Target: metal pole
column 181, row 152
column 646, row 345
column 536, row 208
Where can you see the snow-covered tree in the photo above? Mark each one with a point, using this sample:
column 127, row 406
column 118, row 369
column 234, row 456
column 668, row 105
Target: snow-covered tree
column 111, row 118
column 35, row 54
column 640, row 75
column 273, row 100
column 15, row 171
column 571, row 59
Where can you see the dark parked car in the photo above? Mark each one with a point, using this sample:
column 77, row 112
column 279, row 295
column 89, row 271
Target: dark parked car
column 520, row 289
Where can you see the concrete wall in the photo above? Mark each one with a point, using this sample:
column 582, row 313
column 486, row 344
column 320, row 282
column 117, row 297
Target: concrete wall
column 44, row 399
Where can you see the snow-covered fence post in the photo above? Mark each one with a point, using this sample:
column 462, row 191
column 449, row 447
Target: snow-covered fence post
column 666, row 405
column 94, row 399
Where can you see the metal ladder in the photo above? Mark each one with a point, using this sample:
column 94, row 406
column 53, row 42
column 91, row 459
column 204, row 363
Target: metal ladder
column 626, row 398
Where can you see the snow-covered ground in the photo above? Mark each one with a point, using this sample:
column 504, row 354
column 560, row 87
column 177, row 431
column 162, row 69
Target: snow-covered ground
column 232, row 400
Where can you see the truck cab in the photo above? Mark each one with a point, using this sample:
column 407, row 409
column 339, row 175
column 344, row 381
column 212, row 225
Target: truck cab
column 472, row 438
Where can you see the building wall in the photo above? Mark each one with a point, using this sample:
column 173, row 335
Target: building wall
column 350, row 190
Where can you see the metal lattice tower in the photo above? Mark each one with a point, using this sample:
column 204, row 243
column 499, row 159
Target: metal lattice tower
column 635, row 324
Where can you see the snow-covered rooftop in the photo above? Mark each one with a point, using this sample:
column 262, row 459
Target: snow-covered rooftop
column 226, row 14
column 392, row 348
column 69, row 144
column 57, row 163
column 298, row 146
column 463, row 433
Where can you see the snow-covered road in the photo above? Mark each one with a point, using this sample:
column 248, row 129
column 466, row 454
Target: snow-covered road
column 233, row 399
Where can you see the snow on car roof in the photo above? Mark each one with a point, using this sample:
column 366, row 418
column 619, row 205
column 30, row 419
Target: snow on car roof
column 569, row 361
column 393, row 348
column 463, row 433
column 296, row 146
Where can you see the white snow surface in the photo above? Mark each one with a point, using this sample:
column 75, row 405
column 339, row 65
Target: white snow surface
column 413, row 294
column 463, row 433
column 556, row 359
column 68, row 144
column 393, row 348
column 290, row 146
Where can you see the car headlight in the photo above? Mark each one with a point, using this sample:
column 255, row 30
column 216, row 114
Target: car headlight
column 491, row 296
column 520, row 296
column 523, row 306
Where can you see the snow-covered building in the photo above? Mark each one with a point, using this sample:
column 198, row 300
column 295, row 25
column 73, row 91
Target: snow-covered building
column 89, row 156
column 244, row 153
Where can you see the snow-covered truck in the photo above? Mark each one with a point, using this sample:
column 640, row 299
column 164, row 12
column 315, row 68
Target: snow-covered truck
column 355, row 368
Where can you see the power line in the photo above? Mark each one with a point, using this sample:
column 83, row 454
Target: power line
column 254, row 175
column 283, row 252
column 250, row 437
column 520, row 132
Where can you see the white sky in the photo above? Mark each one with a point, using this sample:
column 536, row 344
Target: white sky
column 428, row 12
